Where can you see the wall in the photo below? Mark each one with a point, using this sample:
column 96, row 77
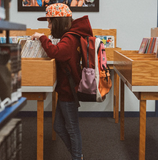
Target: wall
column 133, row 20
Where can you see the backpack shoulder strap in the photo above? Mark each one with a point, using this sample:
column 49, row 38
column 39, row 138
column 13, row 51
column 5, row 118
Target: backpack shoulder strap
column 71, row 81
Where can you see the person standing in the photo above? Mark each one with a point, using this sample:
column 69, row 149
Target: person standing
column 67, row 54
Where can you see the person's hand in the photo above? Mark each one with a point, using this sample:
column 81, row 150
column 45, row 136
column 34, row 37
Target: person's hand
column 36, row 35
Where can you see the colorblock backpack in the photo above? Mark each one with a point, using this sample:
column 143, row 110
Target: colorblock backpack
column 95, row 81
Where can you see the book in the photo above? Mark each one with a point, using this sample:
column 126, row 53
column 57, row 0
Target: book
column 147, row 45
column 107, row 40
column 150, row 44
column 143, row 45
column 153, row 45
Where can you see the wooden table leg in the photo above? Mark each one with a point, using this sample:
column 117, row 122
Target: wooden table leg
column 114, row 98
column 117, row 99
column 142, row 130
column 122, row 112
column 54, row 102
column 40, row 135
column 40, row 97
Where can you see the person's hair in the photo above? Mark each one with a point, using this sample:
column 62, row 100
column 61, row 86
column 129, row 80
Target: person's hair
column 60, row 25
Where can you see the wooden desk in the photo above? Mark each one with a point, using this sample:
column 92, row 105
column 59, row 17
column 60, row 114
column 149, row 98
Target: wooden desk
column 39, row 94
column 139, row 74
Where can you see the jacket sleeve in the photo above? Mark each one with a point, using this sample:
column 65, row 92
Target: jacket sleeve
column 61, row 52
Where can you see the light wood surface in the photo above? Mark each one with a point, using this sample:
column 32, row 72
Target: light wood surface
column 34, row 95
column 142, row 130
column 110, row 53
column 28, row 32
column 148, row 96
column 40, row 131
column 144, row 73
column 123, row 65
column 97, row 32
column 154, row 32
column 106, row 32
column 54, row 103
column 117, row 99
column 40, row 97
column 38, row 72
column 138, row 69
column 122, row 112
column 114, row 97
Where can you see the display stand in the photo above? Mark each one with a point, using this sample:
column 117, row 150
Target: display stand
column 38, row 79
column 129, row 67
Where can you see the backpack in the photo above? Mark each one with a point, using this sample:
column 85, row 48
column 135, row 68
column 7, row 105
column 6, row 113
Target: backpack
column 95, row 80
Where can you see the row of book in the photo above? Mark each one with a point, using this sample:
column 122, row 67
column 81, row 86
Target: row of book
column 11, row 140
column 10, row 74
column 149, row 45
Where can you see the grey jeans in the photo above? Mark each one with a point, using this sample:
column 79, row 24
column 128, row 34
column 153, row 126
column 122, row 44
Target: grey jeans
column 66, row 125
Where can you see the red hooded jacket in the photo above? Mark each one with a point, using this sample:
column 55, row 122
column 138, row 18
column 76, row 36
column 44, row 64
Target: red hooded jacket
column 67, row 52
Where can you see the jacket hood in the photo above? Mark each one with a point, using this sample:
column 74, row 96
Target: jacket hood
column 82, row 26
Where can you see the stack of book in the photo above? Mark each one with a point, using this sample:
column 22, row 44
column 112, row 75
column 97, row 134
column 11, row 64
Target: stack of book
column 149, row 45
column 11, row 140
column 10, row 74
